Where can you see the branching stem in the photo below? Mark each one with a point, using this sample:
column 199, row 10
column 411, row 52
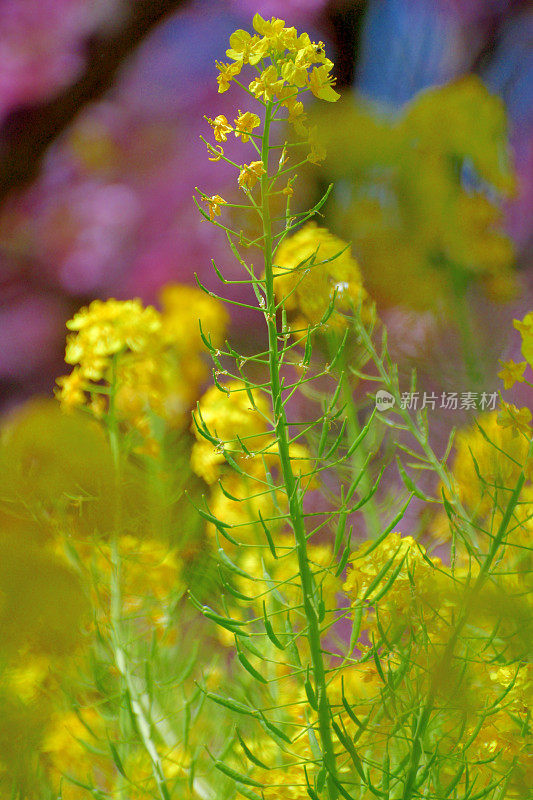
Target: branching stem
column 309, row 592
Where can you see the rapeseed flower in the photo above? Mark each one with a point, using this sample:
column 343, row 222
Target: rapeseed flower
column 313, row 267
column 250, row 174
column 416, row 574
column 150, row 362
column 487, row 449
column 525, row 326
column 290, row 64
column 221, row 128
column 485, row 470
column 411, row 209
column 226, row 74
column 245, row 124
column 228, row 417
column 213, row 204
column 512, row 372
column 518, row 420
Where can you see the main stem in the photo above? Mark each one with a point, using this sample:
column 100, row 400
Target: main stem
column 309, row 592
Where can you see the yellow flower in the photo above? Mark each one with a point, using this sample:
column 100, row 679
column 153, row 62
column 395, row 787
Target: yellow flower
column 220, row 128
column 511, row 372
column 214, row 204
column 317, row 153
column 72, row 389
column 251, row 499
column 321, row 84
column 518, row 420
column 70, row 747
column 288, row 190
column 311, row 267
column 154, row 359
column 267, row 84
column 250, row 174
column 226, row 74
column 228, row 417
column 216, row 153
column 406, row 202
column 268, row 29
column 497, row 455
column 245, row 48
column 525, row 327
column 296, row 111
column 245, row 123
column 398, row 601
column 107, row 327
column 101, row 332
column 182, row 309
column 175, row 763
column 294, row 74
column 240, row 44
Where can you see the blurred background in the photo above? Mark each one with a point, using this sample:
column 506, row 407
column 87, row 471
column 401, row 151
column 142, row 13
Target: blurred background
column 102, row 105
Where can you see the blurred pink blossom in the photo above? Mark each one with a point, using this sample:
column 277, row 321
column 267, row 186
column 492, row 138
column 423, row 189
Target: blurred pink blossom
column 41, row 45
column 285, row 9
column 30, row 333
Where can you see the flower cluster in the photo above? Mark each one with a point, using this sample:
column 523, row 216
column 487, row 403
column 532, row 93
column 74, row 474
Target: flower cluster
column 412, row 600
column 414, row 572
column 495, row 452
column 287, row 66
column 141, row 361
column 518, row 420
column 297, row 64
column 237, row 420
column 312, row 269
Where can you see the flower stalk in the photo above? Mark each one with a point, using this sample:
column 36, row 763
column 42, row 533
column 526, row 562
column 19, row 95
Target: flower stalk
column 309, row 590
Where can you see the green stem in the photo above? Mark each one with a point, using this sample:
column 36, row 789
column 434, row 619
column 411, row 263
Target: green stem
column 369, row 510
column 309, row 591
column 447, row 655
column 390, row 382
column 119, row 653
column 463, row 315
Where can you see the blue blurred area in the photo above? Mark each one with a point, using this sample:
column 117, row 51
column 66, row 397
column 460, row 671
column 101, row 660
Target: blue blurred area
column 406, row 46
column 176, row 63
column 510, row 71
column 410, row 45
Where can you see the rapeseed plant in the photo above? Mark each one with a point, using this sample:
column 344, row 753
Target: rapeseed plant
column 244, row 615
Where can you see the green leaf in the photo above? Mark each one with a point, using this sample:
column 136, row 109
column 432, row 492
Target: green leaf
column 274, row 729
column 269, row 630
column 248, row 753
column 117, row 760
column 310, row 692
column 237, row 776
column 249, row 668
column 233, row 705
column 408, row 482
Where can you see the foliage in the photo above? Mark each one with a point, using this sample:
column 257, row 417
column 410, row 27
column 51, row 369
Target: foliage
column 242, row 614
